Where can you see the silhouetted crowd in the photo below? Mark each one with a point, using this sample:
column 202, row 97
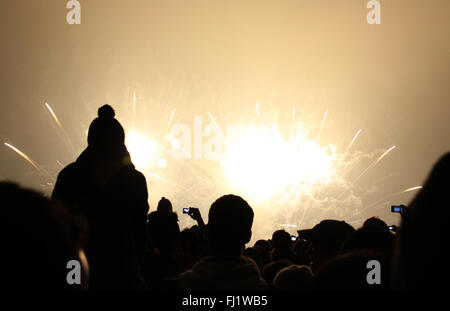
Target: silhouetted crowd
column 99, row 217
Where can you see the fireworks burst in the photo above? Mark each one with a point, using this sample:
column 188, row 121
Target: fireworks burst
column 297, row 174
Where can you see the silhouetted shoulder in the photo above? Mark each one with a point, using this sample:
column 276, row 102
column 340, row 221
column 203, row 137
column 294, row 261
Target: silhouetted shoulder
column 134, row 176
column 69, row 170
column 68, row 179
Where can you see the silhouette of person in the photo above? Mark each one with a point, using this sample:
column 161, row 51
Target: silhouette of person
column 163, row 233
column 229, row 227
column 105, row 187
column 327, row 238
column 420, row 256
column 39, row 237
column 282, row 246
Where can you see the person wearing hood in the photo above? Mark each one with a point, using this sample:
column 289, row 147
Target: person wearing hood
column 104, row 187
column 229, row 227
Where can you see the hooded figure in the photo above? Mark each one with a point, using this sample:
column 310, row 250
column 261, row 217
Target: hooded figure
column 105, row 188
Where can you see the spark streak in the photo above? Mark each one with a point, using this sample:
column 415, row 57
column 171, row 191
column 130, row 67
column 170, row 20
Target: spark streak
column 213, row 121
column 134, row 108
column 387, row 198
column 353, row 141
column 321, row 125
column 375, row 162
column 158, row 177
column 174, row 143
column 54, row 116
column 171, row 117
column 257, row 111
column 287, row 225
column 23, row 155
column 412, row 189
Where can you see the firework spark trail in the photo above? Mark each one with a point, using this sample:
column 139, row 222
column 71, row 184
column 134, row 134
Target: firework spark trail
column 321, row 125
column 134, row 109
column 348, row 148
column 257, row 111
column 412, row 189
column 66, row 136
column 171, row 117
column 213, row 121
column 387, row 198
column 173, row 143
column 374, row 163
column 158, row 177
column 287, row 225
column 353, row 141
column 54, row 115
column 23, row 155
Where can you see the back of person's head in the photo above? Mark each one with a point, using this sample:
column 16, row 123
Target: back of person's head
column 164, row 205
column 301, row 249
column 370, row 237
column 281, row 240
column 257, row 254
column 375, row 222
column 271, row 269
column 264, row 244
column 327, row 238
column 350, row 272
column 282, row 245
column 229, row 226
column 293, row 277
column 38, row 237
column 163, row 230
column 421, row 258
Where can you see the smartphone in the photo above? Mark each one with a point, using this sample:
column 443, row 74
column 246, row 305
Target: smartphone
column 186, row 210
column 393, row 228
column 293, row 238
column 397, row 208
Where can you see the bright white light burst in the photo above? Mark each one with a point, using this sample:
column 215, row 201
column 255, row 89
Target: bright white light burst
column 142, row 150
column 262, row 163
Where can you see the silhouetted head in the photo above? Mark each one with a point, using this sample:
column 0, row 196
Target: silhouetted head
column 327, row 238
column 163, row 230
column 351, row 271
column 38, row 238
column 271, row 269
column 229, row 226
column 164, row 205
column 106, row 140
column 105, row 131
column 302, row 249
column 257, row 254
column 293, row 277
column 421, row 257
column 376, row 222
column 282, row 245
column 372, row 237
column 264, row 244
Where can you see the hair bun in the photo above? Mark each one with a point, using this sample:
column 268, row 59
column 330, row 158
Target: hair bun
column 106, row 111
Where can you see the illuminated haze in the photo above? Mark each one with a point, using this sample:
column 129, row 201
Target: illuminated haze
column 219, row 58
